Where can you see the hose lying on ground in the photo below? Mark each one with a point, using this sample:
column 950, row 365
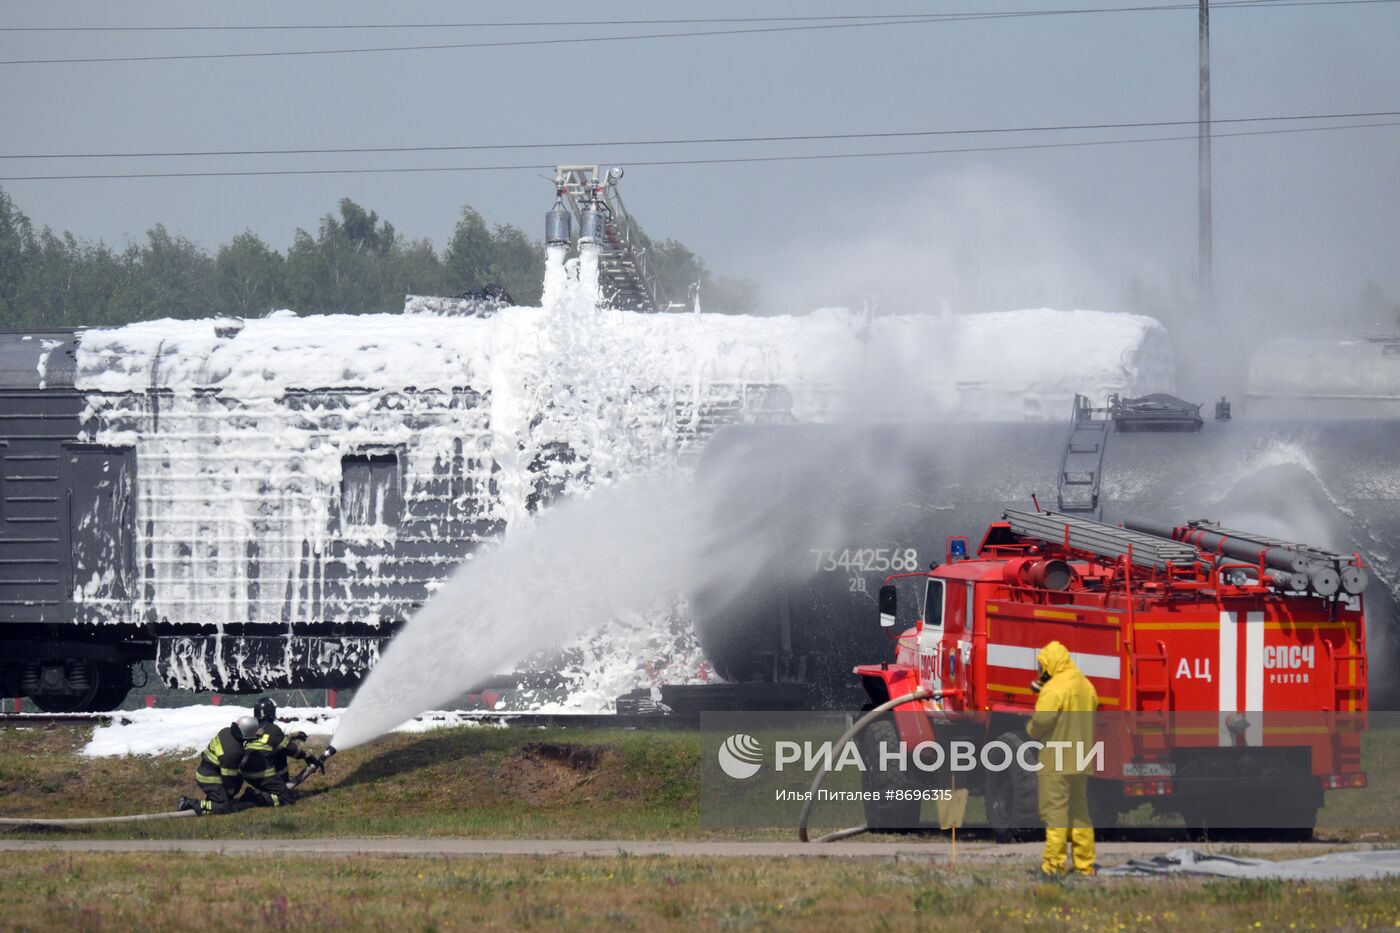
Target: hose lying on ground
column 919, row 693
column 17, row 823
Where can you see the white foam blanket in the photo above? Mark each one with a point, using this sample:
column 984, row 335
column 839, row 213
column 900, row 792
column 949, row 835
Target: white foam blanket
column 1335, row 866
column 185, row 730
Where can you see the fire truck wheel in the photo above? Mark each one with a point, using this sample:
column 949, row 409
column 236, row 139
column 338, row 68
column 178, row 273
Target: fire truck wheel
column 882, row 814
column 1012, row 808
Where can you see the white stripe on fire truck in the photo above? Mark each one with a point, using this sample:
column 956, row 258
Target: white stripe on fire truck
column 1229, row 652
column 1254, row 662
column 1255, row 677
column 1107, row 666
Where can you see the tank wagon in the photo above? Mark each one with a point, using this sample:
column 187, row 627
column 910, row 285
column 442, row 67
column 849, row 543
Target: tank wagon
column 844, row 506
column 261, row 503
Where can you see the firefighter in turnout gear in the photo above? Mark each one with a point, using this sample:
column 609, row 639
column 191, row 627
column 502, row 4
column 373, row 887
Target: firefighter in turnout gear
column 1064, row 712
column 219, row 773
column 265, row 759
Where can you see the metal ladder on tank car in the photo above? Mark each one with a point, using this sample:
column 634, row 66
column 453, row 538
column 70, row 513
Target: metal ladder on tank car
column 625, row 276
column 1081, row 466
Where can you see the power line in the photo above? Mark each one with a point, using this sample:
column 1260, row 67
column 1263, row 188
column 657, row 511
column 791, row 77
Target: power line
column 891, row 20
column 455, row 45
column 692, row 20
column 711, row 161
column 808, row 137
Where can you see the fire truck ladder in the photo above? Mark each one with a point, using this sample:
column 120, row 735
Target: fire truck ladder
column 1108, row 541
column 624, row 268
column 1081, row 467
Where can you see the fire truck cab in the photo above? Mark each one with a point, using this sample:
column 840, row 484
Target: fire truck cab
column 1230, row 668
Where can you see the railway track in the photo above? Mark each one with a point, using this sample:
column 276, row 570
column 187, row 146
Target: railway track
column 447, row 717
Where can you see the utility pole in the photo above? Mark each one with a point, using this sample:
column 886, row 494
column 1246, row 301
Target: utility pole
column 1206, row 269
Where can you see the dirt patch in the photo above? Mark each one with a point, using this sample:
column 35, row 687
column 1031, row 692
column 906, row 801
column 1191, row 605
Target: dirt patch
column 578, row 757
column 550, row 772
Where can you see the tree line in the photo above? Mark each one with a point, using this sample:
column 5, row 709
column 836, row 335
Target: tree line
column 355, row 262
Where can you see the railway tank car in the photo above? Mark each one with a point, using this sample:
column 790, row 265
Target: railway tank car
column 843, row 506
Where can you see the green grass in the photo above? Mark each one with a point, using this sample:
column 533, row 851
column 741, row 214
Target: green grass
column 481, row 782
column 160, row 892
column 462, row 782
column 484, row 782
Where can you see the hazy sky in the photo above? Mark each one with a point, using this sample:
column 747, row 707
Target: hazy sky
column 1303, row 217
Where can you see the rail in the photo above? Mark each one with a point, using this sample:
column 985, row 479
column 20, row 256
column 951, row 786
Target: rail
column 678, row 721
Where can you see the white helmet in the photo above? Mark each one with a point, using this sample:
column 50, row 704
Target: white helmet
column 247, row 727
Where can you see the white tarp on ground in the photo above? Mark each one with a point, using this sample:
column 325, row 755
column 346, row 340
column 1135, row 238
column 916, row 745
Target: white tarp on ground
column 185, row 730
column 1335, row 866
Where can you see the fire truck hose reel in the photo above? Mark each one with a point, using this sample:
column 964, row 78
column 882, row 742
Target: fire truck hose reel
column 920, row 693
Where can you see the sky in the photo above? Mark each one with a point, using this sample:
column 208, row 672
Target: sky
column 1302, row 220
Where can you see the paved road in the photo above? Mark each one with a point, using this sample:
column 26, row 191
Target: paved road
column 1110, row 853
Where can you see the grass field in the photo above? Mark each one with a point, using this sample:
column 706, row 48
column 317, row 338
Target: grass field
column 474, row 781
column 486, row 782
column 483, row 782
column 263, row 893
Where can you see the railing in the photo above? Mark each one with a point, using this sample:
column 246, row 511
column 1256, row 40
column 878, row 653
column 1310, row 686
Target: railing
column 630, row 240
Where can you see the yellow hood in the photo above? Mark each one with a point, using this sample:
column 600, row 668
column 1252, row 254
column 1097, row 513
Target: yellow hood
column 1054, row 659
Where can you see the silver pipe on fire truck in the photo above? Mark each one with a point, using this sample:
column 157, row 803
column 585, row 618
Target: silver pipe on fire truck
column 1290, row 566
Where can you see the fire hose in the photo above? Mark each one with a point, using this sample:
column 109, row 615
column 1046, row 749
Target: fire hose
column 919, row 693
column 312, row 765
column 316, row 764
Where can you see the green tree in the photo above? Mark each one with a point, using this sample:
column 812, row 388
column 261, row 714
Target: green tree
column 359, row 227
column 469, row 253
column 17, row 243
column 356, row 261
column 68, row 283
column 250, row 276
column 677, row 268
column 415, row 269
column 517, row 264
column 336, row 270
column 168, row 276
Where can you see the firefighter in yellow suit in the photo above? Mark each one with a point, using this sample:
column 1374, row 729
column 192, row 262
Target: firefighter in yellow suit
column 1064, row 712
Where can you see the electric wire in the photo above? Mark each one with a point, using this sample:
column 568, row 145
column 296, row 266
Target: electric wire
column 669, row 21
column 891, row 20
column 728, row 160
column 804, row 137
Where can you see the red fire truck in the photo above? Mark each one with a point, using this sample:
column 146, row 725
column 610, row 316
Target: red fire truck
column 1230, row 668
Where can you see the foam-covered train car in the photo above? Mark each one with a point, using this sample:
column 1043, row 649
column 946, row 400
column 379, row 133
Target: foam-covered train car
column 261, row 503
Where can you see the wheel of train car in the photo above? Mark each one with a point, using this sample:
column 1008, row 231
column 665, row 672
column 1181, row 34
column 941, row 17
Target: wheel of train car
column 109, row 685
column 1012, row 807
column 881, row 814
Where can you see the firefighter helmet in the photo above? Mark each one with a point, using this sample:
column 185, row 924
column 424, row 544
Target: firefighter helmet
column 265, row 710
column 247, row 727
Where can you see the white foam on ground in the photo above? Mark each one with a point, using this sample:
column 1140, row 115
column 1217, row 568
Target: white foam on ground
column 186, row 730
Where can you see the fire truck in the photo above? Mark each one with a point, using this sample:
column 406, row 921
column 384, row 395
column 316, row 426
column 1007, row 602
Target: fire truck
column 1230, row 669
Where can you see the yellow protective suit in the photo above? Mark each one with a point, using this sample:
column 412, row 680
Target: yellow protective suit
column 1064, row 712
